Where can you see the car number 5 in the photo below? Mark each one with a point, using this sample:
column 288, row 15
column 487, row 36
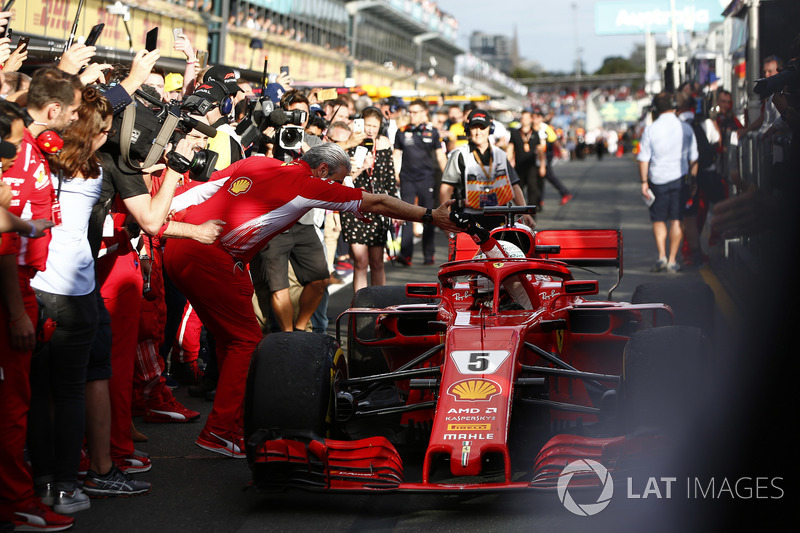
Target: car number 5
column 478, row 361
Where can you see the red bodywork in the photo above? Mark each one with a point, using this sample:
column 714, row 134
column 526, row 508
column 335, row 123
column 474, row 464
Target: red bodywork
column 562, row 355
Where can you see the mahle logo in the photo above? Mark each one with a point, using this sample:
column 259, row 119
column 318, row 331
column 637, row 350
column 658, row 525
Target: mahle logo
column 582, row 468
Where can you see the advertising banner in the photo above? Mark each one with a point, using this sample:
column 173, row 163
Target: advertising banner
column 632, row 17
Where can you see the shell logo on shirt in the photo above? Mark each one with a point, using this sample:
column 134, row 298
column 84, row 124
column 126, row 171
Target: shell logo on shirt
column 42, row 179
column 240, row 185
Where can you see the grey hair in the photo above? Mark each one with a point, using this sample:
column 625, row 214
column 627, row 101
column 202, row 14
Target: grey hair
column 336, row 158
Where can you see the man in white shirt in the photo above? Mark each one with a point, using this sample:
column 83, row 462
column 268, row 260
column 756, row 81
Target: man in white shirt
column 667, row 155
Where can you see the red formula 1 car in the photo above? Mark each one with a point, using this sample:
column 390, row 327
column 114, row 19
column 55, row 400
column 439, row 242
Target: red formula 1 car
column 493, row 378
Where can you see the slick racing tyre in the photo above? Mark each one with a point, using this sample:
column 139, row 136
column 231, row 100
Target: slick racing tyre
column 289, row 385
column 363, row 360
column 692, row 302
column 665, row 376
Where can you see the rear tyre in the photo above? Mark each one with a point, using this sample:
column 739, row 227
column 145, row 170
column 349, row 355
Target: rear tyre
column 665, row 377
column 692, row 302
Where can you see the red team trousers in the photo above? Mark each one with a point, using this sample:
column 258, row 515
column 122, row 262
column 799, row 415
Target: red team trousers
column 220, row 290
column 121, row 289
column 186, row 346
column 16, row 484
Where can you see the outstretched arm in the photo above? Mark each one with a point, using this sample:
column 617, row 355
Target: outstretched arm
column 383, row 204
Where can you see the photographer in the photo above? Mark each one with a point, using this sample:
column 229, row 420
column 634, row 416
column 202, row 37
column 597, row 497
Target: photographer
column 124, row 192
column 288, row 141
column 152, row 397
column 300, row 244
column 479, row 172
column 756, row 210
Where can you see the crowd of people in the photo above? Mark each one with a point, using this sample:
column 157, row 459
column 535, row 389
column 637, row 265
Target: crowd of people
column 689, row 160
column 133, row 239
column 123, row 234
column 104, row 219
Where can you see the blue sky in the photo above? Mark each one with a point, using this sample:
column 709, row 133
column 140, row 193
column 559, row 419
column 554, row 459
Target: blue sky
column 545, row 28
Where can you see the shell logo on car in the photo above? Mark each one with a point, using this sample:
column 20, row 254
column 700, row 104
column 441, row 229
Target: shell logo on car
column 474, row 390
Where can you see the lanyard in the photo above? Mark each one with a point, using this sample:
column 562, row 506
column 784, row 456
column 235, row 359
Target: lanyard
column 478, row 160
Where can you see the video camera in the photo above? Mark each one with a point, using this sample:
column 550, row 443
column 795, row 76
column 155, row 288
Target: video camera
column 261, row 113
column 790, row 75
column 144, row 128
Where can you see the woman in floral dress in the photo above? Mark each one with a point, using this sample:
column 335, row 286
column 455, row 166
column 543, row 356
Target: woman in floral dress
column 367, row 240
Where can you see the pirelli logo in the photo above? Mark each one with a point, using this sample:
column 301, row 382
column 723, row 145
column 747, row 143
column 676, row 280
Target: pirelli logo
column 469, row 427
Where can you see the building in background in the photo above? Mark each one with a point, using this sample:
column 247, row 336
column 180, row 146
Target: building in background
column 499, row 50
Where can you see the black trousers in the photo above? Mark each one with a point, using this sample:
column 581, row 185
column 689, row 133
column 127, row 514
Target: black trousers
column 58, row 375
column 422, row 191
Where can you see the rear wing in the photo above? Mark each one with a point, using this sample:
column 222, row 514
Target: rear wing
column 582, row 247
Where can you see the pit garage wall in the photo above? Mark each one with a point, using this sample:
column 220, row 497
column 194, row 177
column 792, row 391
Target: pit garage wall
column 53, row 19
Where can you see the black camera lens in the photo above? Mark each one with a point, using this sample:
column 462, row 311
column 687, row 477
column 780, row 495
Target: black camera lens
column 202, row 165
column 290, row 137
column 198, row 161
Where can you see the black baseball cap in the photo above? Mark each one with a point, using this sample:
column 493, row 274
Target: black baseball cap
column 479, row 118
column 225, row 76
column 212, row 91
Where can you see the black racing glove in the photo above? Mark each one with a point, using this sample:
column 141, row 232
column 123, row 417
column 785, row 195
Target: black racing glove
column 470, row 226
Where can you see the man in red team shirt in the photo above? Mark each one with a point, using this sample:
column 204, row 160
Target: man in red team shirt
column 53, row 101
column 259, row 198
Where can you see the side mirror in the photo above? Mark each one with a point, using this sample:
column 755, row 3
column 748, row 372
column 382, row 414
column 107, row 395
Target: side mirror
column 423, row 290
column 581, row 287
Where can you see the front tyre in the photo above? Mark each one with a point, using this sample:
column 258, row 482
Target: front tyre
column 290, row 384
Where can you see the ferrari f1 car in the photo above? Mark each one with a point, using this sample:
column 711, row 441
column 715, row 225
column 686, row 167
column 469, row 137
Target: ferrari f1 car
column 492, row 378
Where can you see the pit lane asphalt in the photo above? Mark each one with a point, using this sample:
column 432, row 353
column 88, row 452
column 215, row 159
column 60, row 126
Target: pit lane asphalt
column 195, row 490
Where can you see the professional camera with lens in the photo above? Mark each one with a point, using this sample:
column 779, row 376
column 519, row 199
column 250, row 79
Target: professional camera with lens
column 788, row 77
column 146, row 126
column 261, row 113
column 291, row 136
column 250, row 127
column 203, row 161
column 200, row 167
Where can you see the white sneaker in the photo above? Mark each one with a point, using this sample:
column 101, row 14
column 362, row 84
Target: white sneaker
column 68, row 502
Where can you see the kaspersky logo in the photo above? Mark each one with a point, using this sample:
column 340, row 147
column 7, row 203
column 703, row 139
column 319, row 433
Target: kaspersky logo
column 585, row 467
column 474, row 390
